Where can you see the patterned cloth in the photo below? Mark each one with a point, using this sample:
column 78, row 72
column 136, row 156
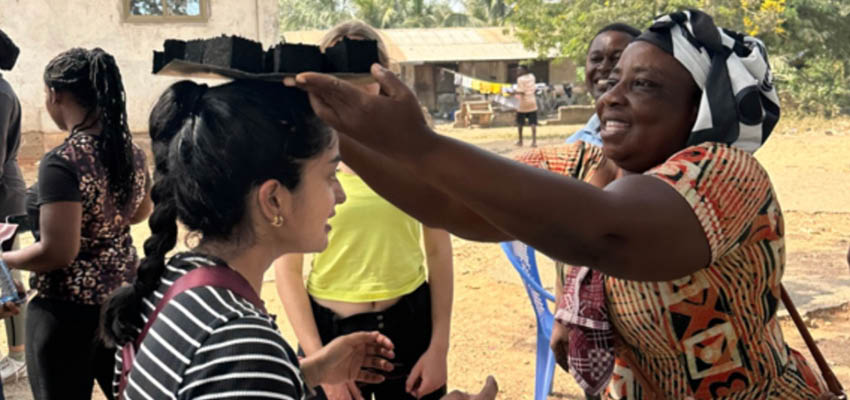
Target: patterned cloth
column 714, row 333
column 583, row 309
column 107, row 258
column 582, row 306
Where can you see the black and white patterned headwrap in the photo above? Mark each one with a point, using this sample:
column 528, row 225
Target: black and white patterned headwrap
column 739, row 105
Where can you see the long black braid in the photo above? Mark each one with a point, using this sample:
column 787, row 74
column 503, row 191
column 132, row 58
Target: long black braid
column 94, row 79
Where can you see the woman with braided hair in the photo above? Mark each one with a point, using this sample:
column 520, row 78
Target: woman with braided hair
column 92, row 187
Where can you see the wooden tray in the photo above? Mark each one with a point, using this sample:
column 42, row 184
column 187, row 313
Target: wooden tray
column 186, row 69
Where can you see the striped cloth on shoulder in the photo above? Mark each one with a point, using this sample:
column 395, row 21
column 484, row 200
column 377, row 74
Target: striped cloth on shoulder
column 209, row 343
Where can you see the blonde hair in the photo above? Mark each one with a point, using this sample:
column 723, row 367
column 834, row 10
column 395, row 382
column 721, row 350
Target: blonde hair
column 357, row 30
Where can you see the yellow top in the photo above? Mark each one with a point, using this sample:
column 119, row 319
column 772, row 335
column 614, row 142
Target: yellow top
column 373, row 252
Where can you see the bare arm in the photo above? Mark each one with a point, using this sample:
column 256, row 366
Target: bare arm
column 438, row 256
column 626, row 230
column 620, row 230
column 430, row 371
column 290, row 287
column 60, row 225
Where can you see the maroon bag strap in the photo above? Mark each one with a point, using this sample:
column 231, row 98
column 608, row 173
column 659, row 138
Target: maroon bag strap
column 831, row 381
column 215, row 276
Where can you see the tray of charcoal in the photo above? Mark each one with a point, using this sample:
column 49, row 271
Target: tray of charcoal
column 233, row 57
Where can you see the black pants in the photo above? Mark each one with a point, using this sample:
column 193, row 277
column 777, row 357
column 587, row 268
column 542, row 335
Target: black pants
column 407, row 323
column 64, row 354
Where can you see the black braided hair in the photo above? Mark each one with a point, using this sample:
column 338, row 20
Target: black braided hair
column 211, row 147
column 93, row 78
column 8, row 52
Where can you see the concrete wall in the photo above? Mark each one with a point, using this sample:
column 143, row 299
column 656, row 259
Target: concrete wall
column 496, row 71
column 45, row 28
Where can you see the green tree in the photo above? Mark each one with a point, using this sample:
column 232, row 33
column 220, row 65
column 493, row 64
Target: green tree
column 807, row 38
column 382, row 14
column 296, row 15
column 488, row 12
column 386, row 14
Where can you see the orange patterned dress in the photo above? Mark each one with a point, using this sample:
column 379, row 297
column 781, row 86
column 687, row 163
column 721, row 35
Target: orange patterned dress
column 712, row 334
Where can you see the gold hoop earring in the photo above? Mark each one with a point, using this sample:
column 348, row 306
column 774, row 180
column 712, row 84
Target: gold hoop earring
column 277, row 222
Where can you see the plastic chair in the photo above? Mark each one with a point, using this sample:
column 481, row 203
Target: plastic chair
column 523, row 259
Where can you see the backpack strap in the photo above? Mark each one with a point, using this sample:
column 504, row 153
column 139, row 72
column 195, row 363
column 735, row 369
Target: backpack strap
column 216, row 276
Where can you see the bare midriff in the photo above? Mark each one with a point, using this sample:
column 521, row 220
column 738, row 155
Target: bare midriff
column 346, row 309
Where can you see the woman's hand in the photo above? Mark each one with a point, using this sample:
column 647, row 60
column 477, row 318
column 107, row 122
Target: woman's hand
column 560, row 344
column 488, row 392
column 342, row 391
column 391, row 123
column 428, row 374
column 10, row 308
column 353, row 357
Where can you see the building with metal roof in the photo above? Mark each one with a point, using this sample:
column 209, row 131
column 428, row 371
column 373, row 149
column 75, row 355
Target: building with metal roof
column 419, row 55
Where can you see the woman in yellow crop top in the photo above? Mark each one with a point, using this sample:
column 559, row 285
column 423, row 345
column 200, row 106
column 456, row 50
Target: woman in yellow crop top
column 372, row 277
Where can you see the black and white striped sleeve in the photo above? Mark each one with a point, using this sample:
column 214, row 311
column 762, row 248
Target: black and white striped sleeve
column 245, row 358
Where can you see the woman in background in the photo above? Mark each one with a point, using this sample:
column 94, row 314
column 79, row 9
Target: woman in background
column 372, row 276
column 92, row 187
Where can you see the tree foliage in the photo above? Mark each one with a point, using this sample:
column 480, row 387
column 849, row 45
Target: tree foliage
column 383, row 14
column 807, row 38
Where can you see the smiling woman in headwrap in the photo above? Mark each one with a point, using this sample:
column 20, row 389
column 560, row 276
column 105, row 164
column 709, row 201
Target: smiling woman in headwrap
column 688, row 247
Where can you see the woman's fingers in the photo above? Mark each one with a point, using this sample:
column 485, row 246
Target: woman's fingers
column 390, row 84
column 367, row 376
column 332, row 90
column 490, row 390
column 9, row 309
column 378, row 363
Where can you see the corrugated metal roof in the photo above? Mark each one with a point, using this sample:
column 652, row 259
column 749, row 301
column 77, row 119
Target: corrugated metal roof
column 408, row 46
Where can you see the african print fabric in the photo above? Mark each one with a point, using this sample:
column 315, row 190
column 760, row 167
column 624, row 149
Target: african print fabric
column 712, row 334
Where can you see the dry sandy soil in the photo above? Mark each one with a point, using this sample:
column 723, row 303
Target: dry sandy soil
column 493, row 327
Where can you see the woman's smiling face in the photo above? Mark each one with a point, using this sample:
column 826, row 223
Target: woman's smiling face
column 649, row 109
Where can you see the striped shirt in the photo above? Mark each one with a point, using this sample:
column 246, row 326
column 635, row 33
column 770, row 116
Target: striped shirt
column 209, row 343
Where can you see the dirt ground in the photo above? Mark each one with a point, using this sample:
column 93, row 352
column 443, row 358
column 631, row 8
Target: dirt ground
column 493, row 327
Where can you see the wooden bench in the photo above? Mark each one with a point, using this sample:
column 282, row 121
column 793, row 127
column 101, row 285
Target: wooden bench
column 477, row 112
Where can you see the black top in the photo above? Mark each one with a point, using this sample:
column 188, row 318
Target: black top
column 57, row 180
column 12, row 186
column 107, row 258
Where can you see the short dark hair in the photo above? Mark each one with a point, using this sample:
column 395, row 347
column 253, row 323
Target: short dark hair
column 619, row 27
column 8, row 52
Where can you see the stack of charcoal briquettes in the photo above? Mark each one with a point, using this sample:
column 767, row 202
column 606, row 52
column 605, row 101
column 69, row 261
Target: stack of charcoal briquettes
column 347, row 56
